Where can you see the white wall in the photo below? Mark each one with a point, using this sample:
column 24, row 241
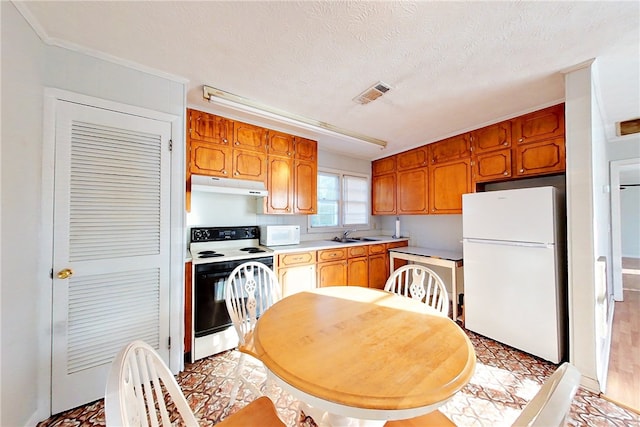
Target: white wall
column 630, row 221
column 22, row 80
column 28, row 66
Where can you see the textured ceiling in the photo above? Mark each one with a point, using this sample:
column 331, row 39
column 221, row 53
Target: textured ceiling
column 452, row 66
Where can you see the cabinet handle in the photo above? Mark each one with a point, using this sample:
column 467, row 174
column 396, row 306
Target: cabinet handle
column 521, row 170
column 505, row 173
column 237, row 143
column 289, row 153
column 224, row 172
column 505, row 143
column 236, row 173
column 224, row 140
column 521, row 139
column 65, row 274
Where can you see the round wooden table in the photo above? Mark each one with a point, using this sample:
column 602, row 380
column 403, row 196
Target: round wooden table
column 364, row 353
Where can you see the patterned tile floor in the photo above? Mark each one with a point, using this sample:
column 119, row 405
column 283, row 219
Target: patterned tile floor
column 504, row 381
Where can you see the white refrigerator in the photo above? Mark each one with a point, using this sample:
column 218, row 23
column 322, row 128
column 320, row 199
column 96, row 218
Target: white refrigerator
column 514, row 269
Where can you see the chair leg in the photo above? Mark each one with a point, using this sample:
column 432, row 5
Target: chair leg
column 237, row 380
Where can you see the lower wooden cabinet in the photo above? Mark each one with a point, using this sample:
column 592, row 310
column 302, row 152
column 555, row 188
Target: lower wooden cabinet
column 332, row 273
column 358, row 266
column 378, row 268
column 296, row 272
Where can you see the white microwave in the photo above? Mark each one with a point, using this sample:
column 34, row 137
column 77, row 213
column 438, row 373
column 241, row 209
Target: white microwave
column 276, row 235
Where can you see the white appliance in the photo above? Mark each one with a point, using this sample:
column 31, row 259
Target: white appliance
column 279, row 235
column 514, row 269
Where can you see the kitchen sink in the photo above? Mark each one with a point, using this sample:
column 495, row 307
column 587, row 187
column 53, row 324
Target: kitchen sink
column 339, row 240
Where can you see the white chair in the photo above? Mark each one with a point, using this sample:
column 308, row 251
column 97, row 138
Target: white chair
column 134, row 395
column 251, row 288
column 548, row 408
column 421, row 283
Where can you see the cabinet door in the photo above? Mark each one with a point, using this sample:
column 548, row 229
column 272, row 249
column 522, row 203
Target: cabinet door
column 210, row 128
column 280, row 144
column 492, row 166
column 491, row 138
column 453, row 148
column 332, row 273
column 447, row 183
column 539, row 125
column 210, row 159
column 397, row 262
column 412, row 191
column 306, row 149
column 378, row 270
column 540, row 158
column 305, row 187
column 297, row 279
column 358, row 272
column 383, row 194
column 249, row 165
column 411, row 159
column 383, row 166
column 188, row 306
column 249, row 137
column 280, row 185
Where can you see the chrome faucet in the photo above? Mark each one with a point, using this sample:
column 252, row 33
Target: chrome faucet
column 346, row 233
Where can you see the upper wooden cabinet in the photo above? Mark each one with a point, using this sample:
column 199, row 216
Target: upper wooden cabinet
column 539, row 125
column 305, row 187
column 249, row 137
column 540, row 158
column 208, row 127
column 280, row 184
column 490, row 138
column 383, row 166
column 249, row 165
column 209, row 159
column 383, row 194
column 412, row 191
column 457, row 147
column 280, row 144
column 447, row 183
column 418, row 157
column 492, row 166
column 306, row 149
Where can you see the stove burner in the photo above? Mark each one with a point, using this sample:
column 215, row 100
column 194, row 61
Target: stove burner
column 209, row 254
column 252, row 250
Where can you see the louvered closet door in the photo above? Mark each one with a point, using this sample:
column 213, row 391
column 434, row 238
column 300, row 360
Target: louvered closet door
column 111, row 224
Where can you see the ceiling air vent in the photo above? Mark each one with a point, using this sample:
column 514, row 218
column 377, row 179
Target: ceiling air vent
column 373, row 93
column 628, row 127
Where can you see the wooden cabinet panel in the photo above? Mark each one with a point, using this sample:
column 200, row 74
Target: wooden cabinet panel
column 297, row 279
column 383, row 166
column 306, row 149
column 418, row 157
column 249, row 137
column 490, row 138
column 378, row 270
column 383, row 194
column 207, row 127
column 412, row 191
column 332, row 254
column 357, row 251
column 456, row 147
column 188, row 306
column 358, row 272
column 297, row 258
column 280, row 185
column 249, row 165
column 492, row 166
column 398, row 262
column 210, row 159
column 332, row 273
column 447, row 183
column 540, row 158
column 280, row 144
column 539, row 125
column 378, row 248
column 305, row 187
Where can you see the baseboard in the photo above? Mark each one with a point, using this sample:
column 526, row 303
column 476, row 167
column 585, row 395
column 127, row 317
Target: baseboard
column 622, row 405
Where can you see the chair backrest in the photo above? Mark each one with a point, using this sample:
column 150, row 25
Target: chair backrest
column 550, row 406
column 134, row 393
column 421, row 283
column 251, row 288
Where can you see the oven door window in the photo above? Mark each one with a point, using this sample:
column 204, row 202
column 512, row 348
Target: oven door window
column 210, row 312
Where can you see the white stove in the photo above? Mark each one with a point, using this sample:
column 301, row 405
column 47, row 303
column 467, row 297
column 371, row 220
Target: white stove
column 215, row 253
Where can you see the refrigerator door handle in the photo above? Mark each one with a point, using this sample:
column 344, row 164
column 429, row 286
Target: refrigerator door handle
column 510, row 243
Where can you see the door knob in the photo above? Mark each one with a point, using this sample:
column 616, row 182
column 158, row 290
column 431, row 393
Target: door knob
column 65, row 274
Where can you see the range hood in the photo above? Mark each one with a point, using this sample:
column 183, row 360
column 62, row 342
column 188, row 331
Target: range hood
column 213, row 184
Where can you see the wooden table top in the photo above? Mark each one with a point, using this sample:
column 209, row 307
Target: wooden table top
column 364, row 348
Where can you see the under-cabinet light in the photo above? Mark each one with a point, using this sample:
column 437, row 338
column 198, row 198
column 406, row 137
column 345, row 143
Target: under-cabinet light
column 226, row 99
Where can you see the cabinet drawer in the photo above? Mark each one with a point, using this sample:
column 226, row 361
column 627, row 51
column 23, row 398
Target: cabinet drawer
column 298, row 258
column 377, row 249
column 356, row 251
column 332, row 254
column 397, row 244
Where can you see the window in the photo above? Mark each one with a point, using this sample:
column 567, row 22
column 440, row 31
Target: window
column 343, row 201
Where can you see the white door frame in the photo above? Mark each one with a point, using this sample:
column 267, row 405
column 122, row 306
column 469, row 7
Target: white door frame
column 45, row 255
column 617, row 166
